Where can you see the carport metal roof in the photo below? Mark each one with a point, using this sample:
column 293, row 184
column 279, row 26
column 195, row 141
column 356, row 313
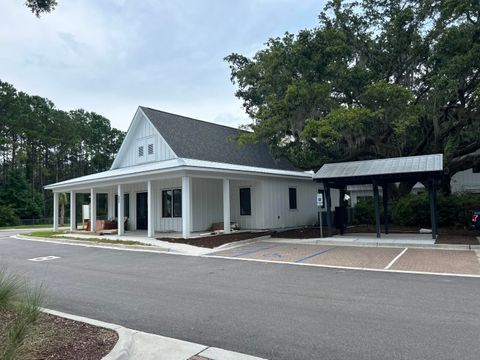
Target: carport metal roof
column 424, row 168
column 420, row 167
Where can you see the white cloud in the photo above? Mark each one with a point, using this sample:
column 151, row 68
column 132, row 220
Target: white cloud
column 111, row 56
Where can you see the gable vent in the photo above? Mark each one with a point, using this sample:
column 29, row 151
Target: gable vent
column 140, row 151
column 150, row 149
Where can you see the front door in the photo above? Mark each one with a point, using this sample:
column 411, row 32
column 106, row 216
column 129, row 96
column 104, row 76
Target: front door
column 142, row 211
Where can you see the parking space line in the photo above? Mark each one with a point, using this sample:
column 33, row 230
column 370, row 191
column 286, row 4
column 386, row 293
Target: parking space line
column 390, row 264
column 254, row 251
column 316, row 254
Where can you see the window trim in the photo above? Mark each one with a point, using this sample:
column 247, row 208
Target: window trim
column 172, row 207
column 240, row 199
column 289, row 199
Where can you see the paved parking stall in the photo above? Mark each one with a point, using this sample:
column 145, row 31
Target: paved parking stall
column 461, row 262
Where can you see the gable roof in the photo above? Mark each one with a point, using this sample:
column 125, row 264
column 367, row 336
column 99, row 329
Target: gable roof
column 196, row 139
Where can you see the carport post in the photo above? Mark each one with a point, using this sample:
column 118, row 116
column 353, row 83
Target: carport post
column 385, row 206
column 377, row 210
column 329, row 208
column 432, row 192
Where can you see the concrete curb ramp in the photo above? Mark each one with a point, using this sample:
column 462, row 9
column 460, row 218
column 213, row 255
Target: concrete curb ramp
column 137, row 345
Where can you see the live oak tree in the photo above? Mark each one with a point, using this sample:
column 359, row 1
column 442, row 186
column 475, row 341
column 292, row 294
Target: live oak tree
column 39, row 7
column 375, row 78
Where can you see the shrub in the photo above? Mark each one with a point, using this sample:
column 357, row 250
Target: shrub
column 452, row 210
column 17, row 296
column 411, row 210
column 364, row 211
column 8, row 216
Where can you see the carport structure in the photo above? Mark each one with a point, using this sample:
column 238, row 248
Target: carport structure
column 426, row 169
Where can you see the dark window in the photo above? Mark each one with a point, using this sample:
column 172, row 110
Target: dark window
column 245, row 202
column 150, row 149
column 126, row 205
column 292, row 198
column 140, row 151
column 177, row 203
column 476, row 169
column 167, row 203
column 172, row 203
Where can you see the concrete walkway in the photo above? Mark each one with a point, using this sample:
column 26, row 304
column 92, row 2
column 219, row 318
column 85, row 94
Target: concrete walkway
column 138, row 345
column 368, row 239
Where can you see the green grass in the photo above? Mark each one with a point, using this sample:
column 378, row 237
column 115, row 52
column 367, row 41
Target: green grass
column 27, row 226
column 51, row 234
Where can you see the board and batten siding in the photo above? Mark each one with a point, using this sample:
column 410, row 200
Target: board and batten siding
column 143, row 133
column 466, row 180
column 276, row 207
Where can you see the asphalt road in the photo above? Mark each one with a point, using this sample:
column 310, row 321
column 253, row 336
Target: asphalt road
column 277, row 311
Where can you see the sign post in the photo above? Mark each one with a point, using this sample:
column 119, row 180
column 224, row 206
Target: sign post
column 320, row 205
column 85, row 214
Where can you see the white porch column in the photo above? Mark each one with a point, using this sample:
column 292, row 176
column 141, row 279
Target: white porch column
column 93, row 210
column 121, row 213
column 73, row 211
column 150, row 210
column 186, row 204
column 55, row 211
column 226, row 206
column 111, row 205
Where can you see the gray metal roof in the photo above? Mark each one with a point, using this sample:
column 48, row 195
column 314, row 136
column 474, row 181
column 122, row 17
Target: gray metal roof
column 196, row 139
column 399, row 165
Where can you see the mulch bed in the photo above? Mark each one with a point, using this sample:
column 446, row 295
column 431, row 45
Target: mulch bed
column 215, row 240
column 446, row 235
column 56, row 338
column 302, row 233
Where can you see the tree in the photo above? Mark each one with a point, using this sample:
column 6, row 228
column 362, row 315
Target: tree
column 39, row 7
column 40, row 144
column 376, row 78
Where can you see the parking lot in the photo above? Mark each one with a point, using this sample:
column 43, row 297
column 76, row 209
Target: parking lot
column 412, row 259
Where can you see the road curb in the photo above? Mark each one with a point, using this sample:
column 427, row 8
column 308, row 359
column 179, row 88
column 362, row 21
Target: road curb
column 372, row 244
column 76, row 242
column 129, row 339
column 121, row 350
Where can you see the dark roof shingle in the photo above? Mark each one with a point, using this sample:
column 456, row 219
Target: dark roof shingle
column 196, row 139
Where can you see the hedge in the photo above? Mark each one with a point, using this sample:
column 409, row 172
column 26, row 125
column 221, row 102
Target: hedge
column 414, row 210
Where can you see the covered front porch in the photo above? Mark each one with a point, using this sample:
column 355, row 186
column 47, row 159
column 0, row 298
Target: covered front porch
column 180, row 204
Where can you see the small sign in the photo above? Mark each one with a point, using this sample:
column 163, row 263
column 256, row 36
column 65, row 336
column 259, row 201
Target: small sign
column 320, row 200
column 85, row 212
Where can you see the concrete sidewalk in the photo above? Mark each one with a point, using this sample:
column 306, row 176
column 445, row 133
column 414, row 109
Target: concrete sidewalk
column 138, row 345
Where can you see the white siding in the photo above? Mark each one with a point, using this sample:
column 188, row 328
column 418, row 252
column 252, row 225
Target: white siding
column 276, row 212
column 466, row 180
column 142, row 133
column 207, row 203
column 254, row 221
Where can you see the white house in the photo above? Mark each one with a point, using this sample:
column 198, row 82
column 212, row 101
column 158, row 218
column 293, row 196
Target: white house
column 179, row 174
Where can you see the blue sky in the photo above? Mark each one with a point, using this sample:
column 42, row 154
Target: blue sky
column 109, row 56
